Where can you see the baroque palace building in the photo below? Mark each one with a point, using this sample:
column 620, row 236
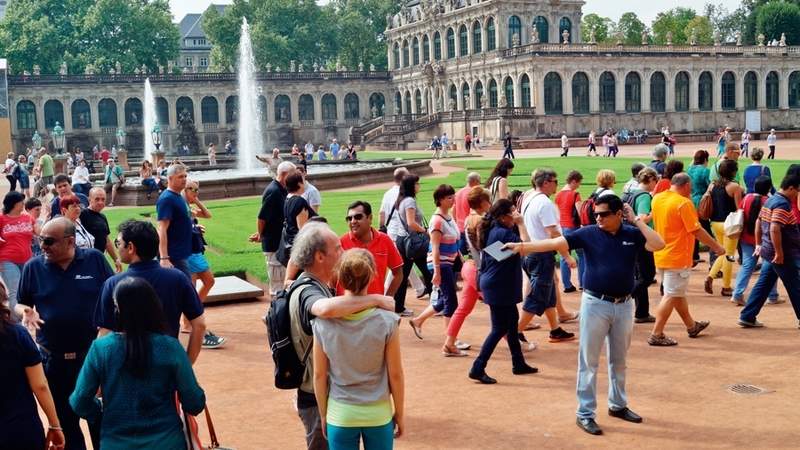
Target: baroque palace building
column 455, row 66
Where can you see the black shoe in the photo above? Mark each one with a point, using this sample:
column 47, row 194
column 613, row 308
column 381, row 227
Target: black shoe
column 569, row 289
column 648, row 319
column 625, row 414
column 524, row 369
column 482, row 377
column 559, row 335
column 589, row 426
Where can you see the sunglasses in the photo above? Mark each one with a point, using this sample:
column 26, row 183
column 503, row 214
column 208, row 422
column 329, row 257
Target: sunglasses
column 603, row 214
column 48, row 241
column 358, row 216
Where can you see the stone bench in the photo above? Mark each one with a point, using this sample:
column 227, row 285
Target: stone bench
column 231, row 288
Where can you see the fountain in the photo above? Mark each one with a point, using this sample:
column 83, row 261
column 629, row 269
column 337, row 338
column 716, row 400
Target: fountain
column 150, row 119
column 249, row 121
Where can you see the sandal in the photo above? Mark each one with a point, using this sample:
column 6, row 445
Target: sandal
column 661, row 341
column 417, row 330
column 533, row 326
column 708, row 285
column 450, row 353
column 569, row 318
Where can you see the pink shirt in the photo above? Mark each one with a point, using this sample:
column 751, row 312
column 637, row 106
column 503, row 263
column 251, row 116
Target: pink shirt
column 461, row 207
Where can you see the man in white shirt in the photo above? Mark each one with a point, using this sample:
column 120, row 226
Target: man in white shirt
column 745, row 145
column 309, row 151
column 772, row 139
column 542, row 222
column 445, row 141
column 564, row 144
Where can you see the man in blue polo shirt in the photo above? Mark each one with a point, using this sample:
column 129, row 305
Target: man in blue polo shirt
column 58, row 293
column 606, row 305
column 174, row 222
column 137, row 243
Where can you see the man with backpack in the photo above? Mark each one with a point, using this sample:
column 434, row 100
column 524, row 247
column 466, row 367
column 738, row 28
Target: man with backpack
column 316, row 250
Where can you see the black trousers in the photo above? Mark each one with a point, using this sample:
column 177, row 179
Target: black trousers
column 408, row 265
column 12, row 181
column 771, row 152
column 645, row 273
column 61, row 375
column 509, row 152
column 504, row 323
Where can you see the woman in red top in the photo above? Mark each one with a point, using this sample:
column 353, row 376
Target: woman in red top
column 568, row 200
column 674, row 166
column 16, row 232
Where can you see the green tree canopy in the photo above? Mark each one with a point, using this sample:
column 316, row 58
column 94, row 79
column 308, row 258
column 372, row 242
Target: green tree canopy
column 99, row 33
column 702, row 29
column 602, row 27
column 674, row 20
column 776, row 17
column 631, row 29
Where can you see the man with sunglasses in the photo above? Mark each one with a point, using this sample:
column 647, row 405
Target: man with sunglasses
column 606, row 305
column 380, row 245
column 58, row 293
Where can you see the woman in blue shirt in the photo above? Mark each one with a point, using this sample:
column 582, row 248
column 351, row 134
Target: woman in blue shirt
column 139, row 369
column 501, row 285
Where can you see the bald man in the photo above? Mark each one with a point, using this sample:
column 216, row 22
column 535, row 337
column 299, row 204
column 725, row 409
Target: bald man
column 96, row 224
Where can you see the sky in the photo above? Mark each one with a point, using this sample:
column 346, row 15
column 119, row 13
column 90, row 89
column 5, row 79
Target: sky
column 646, row 10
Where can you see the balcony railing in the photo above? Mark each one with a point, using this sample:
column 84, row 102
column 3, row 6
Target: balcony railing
column 637, row 50
column 192, row 77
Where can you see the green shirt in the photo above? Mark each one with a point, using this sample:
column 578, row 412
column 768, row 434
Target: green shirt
column 46, row 165
column 642, row 204
column 700, row 180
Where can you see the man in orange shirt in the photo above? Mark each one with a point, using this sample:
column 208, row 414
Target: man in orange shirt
column 675, row 220
column 380, row 245
column 461, row 207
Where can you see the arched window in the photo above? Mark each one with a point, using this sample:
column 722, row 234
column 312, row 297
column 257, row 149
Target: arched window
column 633, row 92
column 453, row 97
column 543, row 27
column 451, row 43
column 514, row 28
column 525, row 84
column 305, row 105
column 437, row 46
column 396, row 56
column 406, row 61
column 465, row 96
column 491, row 35
column 398, row 103
column 476, row 37
column 608, row 93
column 565, row 25
column 133, row 112
column 415, row 51
column 580, row 93
column 107, row 113
column 658, row 92
column 426, row 51
column 81, row 115
column 478, row 94
column 772, row 90
column 418, row 101
column 26, row 115
column 53, row 112
column 231, row 109
column 209, row 110
column 705, row 92
column 351, row 108
column 408, row 103
column 329, row 107
column 376, row 103
column 682, row 91
column 750, row 91
column 794, row 90
column 508, row 86
column 492, row 93
column 728, row 91
column 184, row 104
column 162, row 111
column 552, row 94
column 283, row 109
column 463, row 44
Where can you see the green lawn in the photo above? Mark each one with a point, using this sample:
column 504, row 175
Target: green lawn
column 380, row 154
column 235, row 220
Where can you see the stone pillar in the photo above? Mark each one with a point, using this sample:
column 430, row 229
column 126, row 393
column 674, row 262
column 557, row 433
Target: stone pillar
column 594, row 92
column 566, row 95
column 157, row 157
column 619, row 82
column 122, row 159
column 60, row 164
column 517, row 92
column 339, row 106
column 716, row 101
column 295, row 108
column 39, row 102
column 694, row 80
column 669, row 89
column 67, row 125
column 121, row 112
column 501, row 25
column 94, row 113
column 645, row 95
column 173, row 114
column 761, row 101
column 539, row 83
column 484, row 37
column 739, row 91
column 783, row 89
column 318, row 107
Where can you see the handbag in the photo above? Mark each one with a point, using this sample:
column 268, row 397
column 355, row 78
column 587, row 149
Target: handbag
column 706, row 206
column 734, row 224
column 384, row 228
column 284, row 248
column 213, row 434
column 415, row 244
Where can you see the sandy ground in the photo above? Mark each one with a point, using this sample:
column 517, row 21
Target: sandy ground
column 681, row 391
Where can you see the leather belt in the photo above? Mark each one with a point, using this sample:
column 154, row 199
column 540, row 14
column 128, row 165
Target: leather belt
column 69, row 356
column 607, row 298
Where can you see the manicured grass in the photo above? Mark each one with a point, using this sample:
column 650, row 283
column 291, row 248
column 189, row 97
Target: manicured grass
column 234, row 220
column 380, row 154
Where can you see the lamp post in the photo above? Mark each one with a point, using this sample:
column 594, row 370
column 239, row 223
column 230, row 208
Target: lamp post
column 58, row 138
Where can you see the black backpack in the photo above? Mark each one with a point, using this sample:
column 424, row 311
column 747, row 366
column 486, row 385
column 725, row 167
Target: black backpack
column 289, row 368
column 630, row 198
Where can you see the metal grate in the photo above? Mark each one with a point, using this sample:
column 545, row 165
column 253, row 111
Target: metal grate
column 746, row 389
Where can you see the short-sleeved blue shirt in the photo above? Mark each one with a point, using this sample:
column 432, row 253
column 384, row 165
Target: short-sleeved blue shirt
column 173, row 207
column 19, row 419
column 65, row 299
column 501, row 281
column 173, row 287
column 610, row 258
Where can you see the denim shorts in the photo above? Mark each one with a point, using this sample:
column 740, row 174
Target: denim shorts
column 540, row 268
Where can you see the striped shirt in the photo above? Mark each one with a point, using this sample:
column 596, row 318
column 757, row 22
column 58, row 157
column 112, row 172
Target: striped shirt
column 448, row 244
column 778, row 210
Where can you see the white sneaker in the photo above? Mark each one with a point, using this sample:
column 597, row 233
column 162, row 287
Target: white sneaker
column 462, row 345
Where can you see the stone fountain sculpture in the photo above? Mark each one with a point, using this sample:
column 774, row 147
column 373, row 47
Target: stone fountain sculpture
column 188, row 132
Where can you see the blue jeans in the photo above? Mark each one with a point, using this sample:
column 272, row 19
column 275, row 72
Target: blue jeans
column 788, row 273
column 447, row 302
column 743, row 277
column 600, row 322
column 11, row 273
column 348, row 438
column 566, row 272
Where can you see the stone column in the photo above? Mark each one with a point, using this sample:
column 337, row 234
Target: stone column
column 539, row 83
column 694, row 80
column 295, row 108
column 566, row 94
column 716, row 101
column 94, row 113
column 67, row 101
column 619, row 82
column 339, row 106
column 501, row 25
column 669, row 89
column 317, row 96
column 172, row 113
column 761, row 101
column 645, row 94
column 517, row 92
column 739, row 103
column 120, row 112
column 594, row 91
column 39, row 102
column 783, row 89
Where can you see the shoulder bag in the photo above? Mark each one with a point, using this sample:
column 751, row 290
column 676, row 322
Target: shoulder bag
column 706, row 206
column 415, row 244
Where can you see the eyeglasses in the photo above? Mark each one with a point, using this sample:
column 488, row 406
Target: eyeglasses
column 357, row 217
column 603, row 214
column 47, row 241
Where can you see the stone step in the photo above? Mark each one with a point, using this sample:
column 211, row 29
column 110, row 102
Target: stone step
column 231, row 288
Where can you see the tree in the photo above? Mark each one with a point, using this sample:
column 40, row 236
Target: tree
column 702, row 29
column 360, row 27
column 631, row 29
column 601, row 26
column 674, row 20
column 778, row 17
column 727, row 23
column 87, row 32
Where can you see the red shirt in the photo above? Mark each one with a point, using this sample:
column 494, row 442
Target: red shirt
column 104, row 155
column 385, row 254
column 18, row 234
column 565, row 200
column 747, row 206
column 662, row 185
column 461, row 207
